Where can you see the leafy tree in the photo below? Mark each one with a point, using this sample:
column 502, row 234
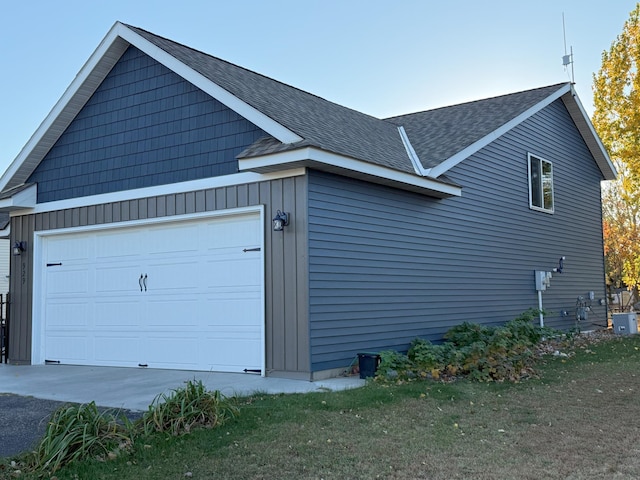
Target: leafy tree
column 616, row 117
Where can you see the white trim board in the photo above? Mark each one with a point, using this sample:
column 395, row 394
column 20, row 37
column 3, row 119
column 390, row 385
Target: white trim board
column 386, row 175
column 168, row 189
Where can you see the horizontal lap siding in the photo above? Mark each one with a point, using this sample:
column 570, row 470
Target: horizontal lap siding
column 387, row 265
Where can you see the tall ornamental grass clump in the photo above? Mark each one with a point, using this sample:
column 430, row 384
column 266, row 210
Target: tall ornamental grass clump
column 81, row 431
column 78, row 432
column 187, row 408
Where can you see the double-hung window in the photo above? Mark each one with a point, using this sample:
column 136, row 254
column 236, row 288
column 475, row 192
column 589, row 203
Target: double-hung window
column 540, row 184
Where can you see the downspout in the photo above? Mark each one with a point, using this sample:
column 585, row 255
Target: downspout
column 540, row 308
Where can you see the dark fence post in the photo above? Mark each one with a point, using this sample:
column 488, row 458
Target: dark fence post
column 4, row 328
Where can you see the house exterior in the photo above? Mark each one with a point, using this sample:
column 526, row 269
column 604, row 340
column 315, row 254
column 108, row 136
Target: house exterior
column 142, row 208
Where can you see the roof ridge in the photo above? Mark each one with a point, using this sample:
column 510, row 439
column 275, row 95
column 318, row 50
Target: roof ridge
column 470, row 102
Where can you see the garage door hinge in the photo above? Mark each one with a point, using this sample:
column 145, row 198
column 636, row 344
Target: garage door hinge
column 54, row 264
column 257, row 249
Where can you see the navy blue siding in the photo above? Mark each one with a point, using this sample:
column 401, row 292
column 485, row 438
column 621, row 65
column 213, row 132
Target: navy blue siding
column 144, row 126
column 387, row 266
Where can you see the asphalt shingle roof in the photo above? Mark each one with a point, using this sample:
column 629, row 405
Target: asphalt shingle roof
column 435, row 135
column 438, row 134
column 321, row 123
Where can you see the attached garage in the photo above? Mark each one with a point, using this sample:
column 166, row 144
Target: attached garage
column 178, row 293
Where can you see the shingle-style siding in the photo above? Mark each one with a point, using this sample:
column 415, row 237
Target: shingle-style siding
column 144, row 126
column 387, row 266
column 286, row 314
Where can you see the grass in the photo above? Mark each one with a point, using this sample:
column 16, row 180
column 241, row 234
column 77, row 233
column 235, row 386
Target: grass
column 577, row 421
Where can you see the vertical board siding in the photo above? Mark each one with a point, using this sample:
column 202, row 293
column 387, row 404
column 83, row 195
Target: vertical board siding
column 144, row 126
column 286, row 315
column 386, row 266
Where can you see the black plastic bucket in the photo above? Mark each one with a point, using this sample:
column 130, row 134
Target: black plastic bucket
column 368, row 364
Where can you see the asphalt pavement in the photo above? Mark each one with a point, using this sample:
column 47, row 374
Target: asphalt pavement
column 23, row 421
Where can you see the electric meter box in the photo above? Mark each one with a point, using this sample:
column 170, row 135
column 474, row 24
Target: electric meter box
column 625, row 323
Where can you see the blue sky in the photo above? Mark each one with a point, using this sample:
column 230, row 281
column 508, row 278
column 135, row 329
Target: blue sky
column 383, row 58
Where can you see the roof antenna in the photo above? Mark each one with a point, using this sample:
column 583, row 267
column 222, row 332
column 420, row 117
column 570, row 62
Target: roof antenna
column 567, row 59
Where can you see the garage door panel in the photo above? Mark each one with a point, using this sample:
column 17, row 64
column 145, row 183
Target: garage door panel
column 239, row 350
column 118, row 313
column 170, row 313
column 202, row 307
column 234, row 231
column 121, row 244
column 68, row 314
column 67, row 348
column 118, row 279
column 117, row 350
column 74, row 250
column 172, row 352
column 234, row 271
column 173, row 275
column 171, row 240
column 233, row 312
column 67, row 282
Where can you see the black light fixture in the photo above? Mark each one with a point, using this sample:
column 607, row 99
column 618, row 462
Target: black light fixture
column 19, row 247
column 280, row 221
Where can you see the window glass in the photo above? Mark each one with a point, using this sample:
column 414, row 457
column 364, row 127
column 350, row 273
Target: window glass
column 540, row 184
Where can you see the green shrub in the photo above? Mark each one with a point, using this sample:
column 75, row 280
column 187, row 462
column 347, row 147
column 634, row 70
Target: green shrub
column 186, row 408
column 393, row 364
column 482, row 353
column 467, row 334
column 81, row 431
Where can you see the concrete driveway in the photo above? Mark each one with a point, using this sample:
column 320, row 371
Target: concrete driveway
column 30, row 393
column 135, row 388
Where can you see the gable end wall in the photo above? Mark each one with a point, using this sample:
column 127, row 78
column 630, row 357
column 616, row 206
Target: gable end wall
column 144, row 126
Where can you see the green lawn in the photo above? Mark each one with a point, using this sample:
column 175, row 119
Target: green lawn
column 578, row 421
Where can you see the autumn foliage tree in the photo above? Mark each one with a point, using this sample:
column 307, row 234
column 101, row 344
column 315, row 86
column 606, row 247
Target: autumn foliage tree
column 616, row 117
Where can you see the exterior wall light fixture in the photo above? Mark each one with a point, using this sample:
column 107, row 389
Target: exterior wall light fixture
column 18, row 248
column 280, row 221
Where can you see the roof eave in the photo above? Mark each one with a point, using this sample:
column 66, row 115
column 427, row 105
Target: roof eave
column 24, row 197
column 330, row 162
column 589, row 134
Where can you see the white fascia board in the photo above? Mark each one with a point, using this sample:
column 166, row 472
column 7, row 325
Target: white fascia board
column 316, row 155
column 243, row 109
column 62, row 103
column 24, row 199
column 413, row 156
column 181, row 187
column 487, row 139
column 594, row 136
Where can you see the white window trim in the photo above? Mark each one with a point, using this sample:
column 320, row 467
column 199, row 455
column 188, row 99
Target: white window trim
column 553, row 200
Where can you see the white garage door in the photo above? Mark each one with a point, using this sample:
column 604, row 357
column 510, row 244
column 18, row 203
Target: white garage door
column 182, row 295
